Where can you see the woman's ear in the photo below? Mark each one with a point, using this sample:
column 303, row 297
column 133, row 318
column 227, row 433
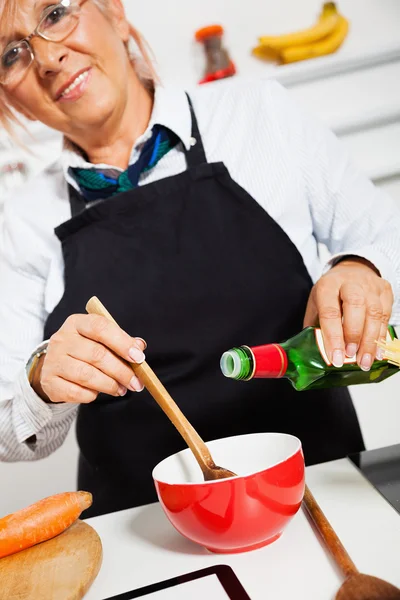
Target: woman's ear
column 118, row 16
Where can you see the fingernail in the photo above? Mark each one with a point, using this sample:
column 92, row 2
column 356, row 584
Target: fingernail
column 351, row 350
column 337, row 358
column 122, row 390
column 366, row 362
column 136, row 355
column 135, row 384
column 380, row 354
column 144, row 342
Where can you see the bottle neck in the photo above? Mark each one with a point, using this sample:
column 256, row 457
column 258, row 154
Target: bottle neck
column 244, row 363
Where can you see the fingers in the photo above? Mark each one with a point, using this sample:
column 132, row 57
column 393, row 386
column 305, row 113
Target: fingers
column 382, row 338
column 88, row 376
column 100, row 329
column 93, row 353
column 90, row 354
column 311, row 315
column 55, row 380
column 141, row 343
column 61, row 390
column 330, row 320
column 387, row 299
column 366, row 315
column 372, row 329
column 354, row 311
column 72, row 380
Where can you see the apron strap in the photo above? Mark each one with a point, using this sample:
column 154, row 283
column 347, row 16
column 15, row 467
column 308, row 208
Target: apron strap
column 195, row 155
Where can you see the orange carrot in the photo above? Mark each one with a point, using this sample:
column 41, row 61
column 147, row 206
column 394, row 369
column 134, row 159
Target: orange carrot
column 41, row 521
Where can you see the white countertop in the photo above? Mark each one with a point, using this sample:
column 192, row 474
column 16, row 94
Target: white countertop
column 141, row 547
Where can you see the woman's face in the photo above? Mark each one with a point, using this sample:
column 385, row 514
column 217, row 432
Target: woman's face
column 95, row 51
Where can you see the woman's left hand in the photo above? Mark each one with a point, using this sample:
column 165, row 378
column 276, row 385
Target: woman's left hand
column 352, row 304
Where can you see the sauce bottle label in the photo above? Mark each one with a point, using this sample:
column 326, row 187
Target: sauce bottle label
column 321, row 347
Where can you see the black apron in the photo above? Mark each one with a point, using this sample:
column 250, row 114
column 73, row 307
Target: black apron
column 194, row 265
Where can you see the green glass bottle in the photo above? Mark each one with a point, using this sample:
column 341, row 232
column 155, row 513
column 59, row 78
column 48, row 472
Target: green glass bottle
column 303, row 360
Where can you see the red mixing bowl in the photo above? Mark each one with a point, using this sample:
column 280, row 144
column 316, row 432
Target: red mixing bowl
column 240, row 513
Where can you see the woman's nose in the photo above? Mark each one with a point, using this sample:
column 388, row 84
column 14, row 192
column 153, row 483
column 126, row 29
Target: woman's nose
column 50, row 56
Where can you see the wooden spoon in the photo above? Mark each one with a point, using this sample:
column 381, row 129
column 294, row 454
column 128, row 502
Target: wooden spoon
column 150, row 380
column 356, row 586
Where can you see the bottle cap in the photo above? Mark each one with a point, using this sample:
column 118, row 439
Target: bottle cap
column 231, row 364
column 209, row 31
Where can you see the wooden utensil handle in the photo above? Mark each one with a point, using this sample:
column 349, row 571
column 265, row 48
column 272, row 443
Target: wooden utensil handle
column 329, row 536
column 162, row 397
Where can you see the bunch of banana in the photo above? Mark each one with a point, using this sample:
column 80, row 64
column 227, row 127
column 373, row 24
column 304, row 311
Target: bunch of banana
column 325, row 37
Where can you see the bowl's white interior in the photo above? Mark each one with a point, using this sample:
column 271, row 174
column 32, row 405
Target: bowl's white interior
column 244, row 455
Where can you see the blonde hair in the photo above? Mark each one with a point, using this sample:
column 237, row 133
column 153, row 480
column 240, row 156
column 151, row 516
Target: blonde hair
column 8, row 10
column 138, row 50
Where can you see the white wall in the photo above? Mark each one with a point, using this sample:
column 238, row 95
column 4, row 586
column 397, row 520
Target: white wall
column 362, row 106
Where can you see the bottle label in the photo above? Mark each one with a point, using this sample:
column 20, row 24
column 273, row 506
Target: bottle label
column 269, row 361
column 321, row 347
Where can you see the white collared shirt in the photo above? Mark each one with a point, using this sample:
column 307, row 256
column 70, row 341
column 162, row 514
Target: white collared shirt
column 289, row 163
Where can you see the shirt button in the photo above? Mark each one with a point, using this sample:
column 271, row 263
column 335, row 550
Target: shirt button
column 192, row 141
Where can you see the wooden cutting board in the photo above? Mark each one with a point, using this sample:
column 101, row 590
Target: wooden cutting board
column 60, row 569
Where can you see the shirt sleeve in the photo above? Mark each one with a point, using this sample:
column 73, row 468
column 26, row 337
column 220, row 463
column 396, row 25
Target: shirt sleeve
column 29, row 428
column 350, row 215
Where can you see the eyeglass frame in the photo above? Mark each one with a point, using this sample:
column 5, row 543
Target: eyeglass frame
column 36, row 33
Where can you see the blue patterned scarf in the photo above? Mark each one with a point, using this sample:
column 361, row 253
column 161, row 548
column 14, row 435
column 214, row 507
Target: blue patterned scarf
column 96, row 184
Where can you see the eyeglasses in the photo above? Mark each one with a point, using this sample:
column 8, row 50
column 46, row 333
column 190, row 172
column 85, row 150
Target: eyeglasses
column 57, row 23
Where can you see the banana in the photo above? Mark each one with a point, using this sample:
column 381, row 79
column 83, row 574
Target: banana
column 266, row 53
column 327, row 22
column 325, row 46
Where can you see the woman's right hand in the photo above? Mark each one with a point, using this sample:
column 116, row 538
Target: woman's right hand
column 85, row 357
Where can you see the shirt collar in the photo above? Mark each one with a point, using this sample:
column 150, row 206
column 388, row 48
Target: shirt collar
column 170, row 109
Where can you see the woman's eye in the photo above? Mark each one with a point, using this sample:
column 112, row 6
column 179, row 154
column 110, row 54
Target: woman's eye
column 55, row 16
column 10, row 57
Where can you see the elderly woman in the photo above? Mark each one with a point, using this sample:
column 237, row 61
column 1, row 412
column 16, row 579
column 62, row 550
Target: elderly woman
column 195, row 219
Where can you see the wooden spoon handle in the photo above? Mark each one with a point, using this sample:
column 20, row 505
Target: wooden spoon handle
column 329, row 536
column 163, row 399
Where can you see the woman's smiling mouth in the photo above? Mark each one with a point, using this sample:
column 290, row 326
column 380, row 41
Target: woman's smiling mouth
column 75, row 87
